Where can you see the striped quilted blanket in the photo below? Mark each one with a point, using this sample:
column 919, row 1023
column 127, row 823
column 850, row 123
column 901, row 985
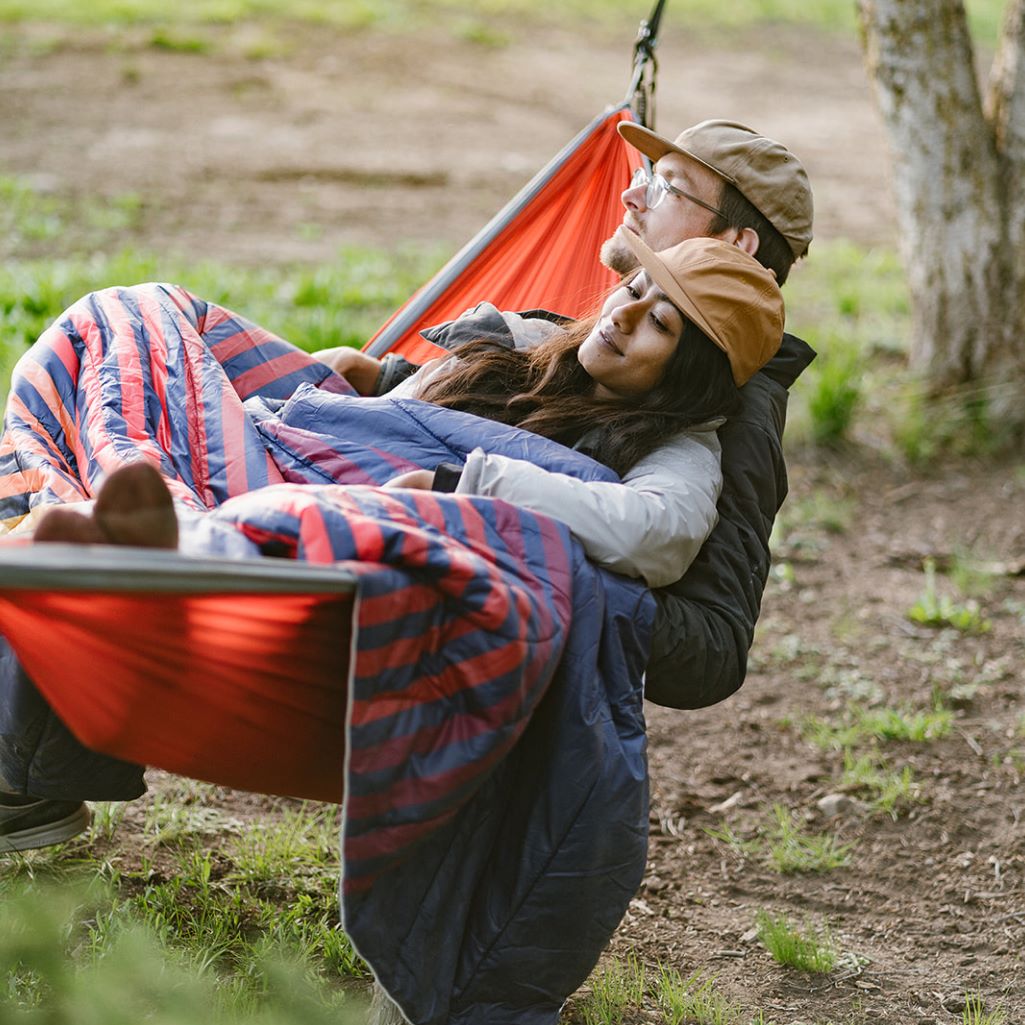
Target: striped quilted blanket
column 495, row 816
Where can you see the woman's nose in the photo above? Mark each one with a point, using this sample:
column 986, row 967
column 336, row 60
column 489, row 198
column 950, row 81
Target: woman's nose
column 624, row 316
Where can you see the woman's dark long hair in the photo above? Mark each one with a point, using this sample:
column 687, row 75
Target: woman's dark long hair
column 547, row 391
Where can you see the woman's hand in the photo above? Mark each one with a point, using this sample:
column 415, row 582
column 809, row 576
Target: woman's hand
column 422, row 480
column 359, row 369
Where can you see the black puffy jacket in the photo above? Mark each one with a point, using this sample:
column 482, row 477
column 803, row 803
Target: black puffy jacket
column 706, row 621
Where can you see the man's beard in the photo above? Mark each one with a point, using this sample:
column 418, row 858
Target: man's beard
column 617, row 256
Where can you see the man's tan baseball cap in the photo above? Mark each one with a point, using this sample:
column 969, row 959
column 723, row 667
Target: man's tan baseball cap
column 767, row 174
column 726, row 292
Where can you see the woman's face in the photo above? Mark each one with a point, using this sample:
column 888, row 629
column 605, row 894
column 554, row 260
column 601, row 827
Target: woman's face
column 636, row 335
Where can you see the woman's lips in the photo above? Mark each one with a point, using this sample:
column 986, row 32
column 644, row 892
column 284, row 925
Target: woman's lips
column 603, row 335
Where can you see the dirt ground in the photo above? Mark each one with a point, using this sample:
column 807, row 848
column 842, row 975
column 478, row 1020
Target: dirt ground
column 383, row 138
column 386, row 138
column 932, row 904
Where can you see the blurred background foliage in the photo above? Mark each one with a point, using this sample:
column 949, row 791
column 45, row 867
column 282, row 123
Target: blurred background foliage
column 848, row 301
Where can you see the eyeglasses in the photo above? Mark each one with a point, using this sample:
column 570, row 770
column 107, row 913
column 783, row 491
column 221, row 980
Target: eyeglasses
column 657, row 188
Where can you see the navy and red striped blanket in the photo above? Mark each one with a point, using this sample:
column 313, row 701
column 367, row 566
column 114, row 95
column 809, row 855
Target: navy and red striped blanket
column 495, row 817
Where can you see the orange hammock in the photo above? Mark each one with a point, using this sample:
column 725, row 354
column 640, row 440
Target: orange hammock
column 244, row 663
column 539, row 252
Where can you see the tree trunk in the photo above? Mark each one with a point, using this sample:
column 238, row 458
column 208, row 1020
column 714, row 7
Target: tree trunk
column 956, row 177
column 1006, row 104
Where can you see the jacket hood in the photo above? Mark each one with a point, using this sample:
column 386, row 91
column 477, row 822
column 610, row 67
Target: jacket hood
column 790, row 362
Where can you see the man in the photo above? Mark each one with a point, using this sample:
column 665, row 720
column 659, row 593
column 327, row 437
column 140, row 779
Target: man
column 763, row 203
column 717, row 179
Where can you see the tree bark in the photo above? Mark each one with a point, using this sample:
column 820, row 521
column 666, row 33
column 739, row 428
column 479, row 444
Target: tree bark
column 1006, row 105
column 957, row 177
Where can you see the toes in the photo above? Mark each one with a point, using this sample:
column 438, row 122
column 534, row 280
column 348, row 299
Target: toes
column 134, row 507
column 68, row 527
column 135, row 486
column 142, row 529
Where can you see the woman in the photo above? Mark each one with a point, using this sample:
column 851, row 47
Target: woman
column 661, row 362
column 663, row 359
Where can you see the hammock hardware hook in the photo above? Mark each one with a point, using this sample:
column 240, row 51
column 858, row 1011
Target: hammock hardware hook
column 641, row 94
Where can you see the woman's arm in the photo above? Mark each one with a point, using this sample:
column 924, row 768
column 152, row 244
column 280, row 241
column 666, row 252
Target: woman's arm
column 649, row 526
column 359, row 369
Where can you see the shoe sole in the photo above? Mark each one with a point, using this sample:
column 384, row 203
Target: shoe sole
column 49, row 834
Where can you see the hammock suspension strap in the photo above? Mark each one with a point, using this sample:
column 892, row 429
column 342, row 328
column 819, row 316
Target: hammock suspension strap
column 640, row 97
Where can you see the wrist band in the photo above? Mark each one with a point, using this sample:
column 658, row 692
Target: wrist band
column 394, row 370
column 446, row 477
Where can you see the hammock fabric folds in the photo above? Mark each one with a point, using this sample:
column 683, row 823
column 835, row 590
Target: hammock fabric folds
column 540, row 252
column 154, row 678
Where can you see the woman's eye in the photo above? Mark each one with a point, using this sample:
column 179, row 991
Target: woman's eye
column 660, row 325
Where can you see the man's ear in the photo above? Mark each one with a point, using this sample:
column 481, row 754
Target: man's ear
column 748, row 240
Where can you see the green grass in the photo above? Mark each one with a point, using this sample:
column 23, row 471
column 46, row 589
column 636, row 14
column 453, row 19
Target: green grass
column 888, row 790
column 480, row 33
column 917, row 727
column 339, row 303
column 785, row 847
column 851, row 305
column 976, row 1012
column 624, row 991
column 805, row 525
column 806, row 950
column 65, row 961
column 832, row 15
column 929, row 426
column 934, row 608
column 849, row 302
column 834, row 397
column 178, row 42
column 972, row 576
column 241, row 913
column 302, row 843
column 179, row 814
column 693, row 1000
column 34, row 221
column 791, row 851
column 616, row 989
column 861, row 725
column 341, row 13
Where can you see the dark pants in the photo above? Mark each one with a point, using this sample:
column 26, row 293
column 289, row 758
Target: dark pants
column 40, row 756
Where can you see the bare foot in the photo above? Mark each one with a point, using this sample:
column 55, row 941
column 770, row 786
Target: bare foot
column 68, row 526
column 133, row 507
